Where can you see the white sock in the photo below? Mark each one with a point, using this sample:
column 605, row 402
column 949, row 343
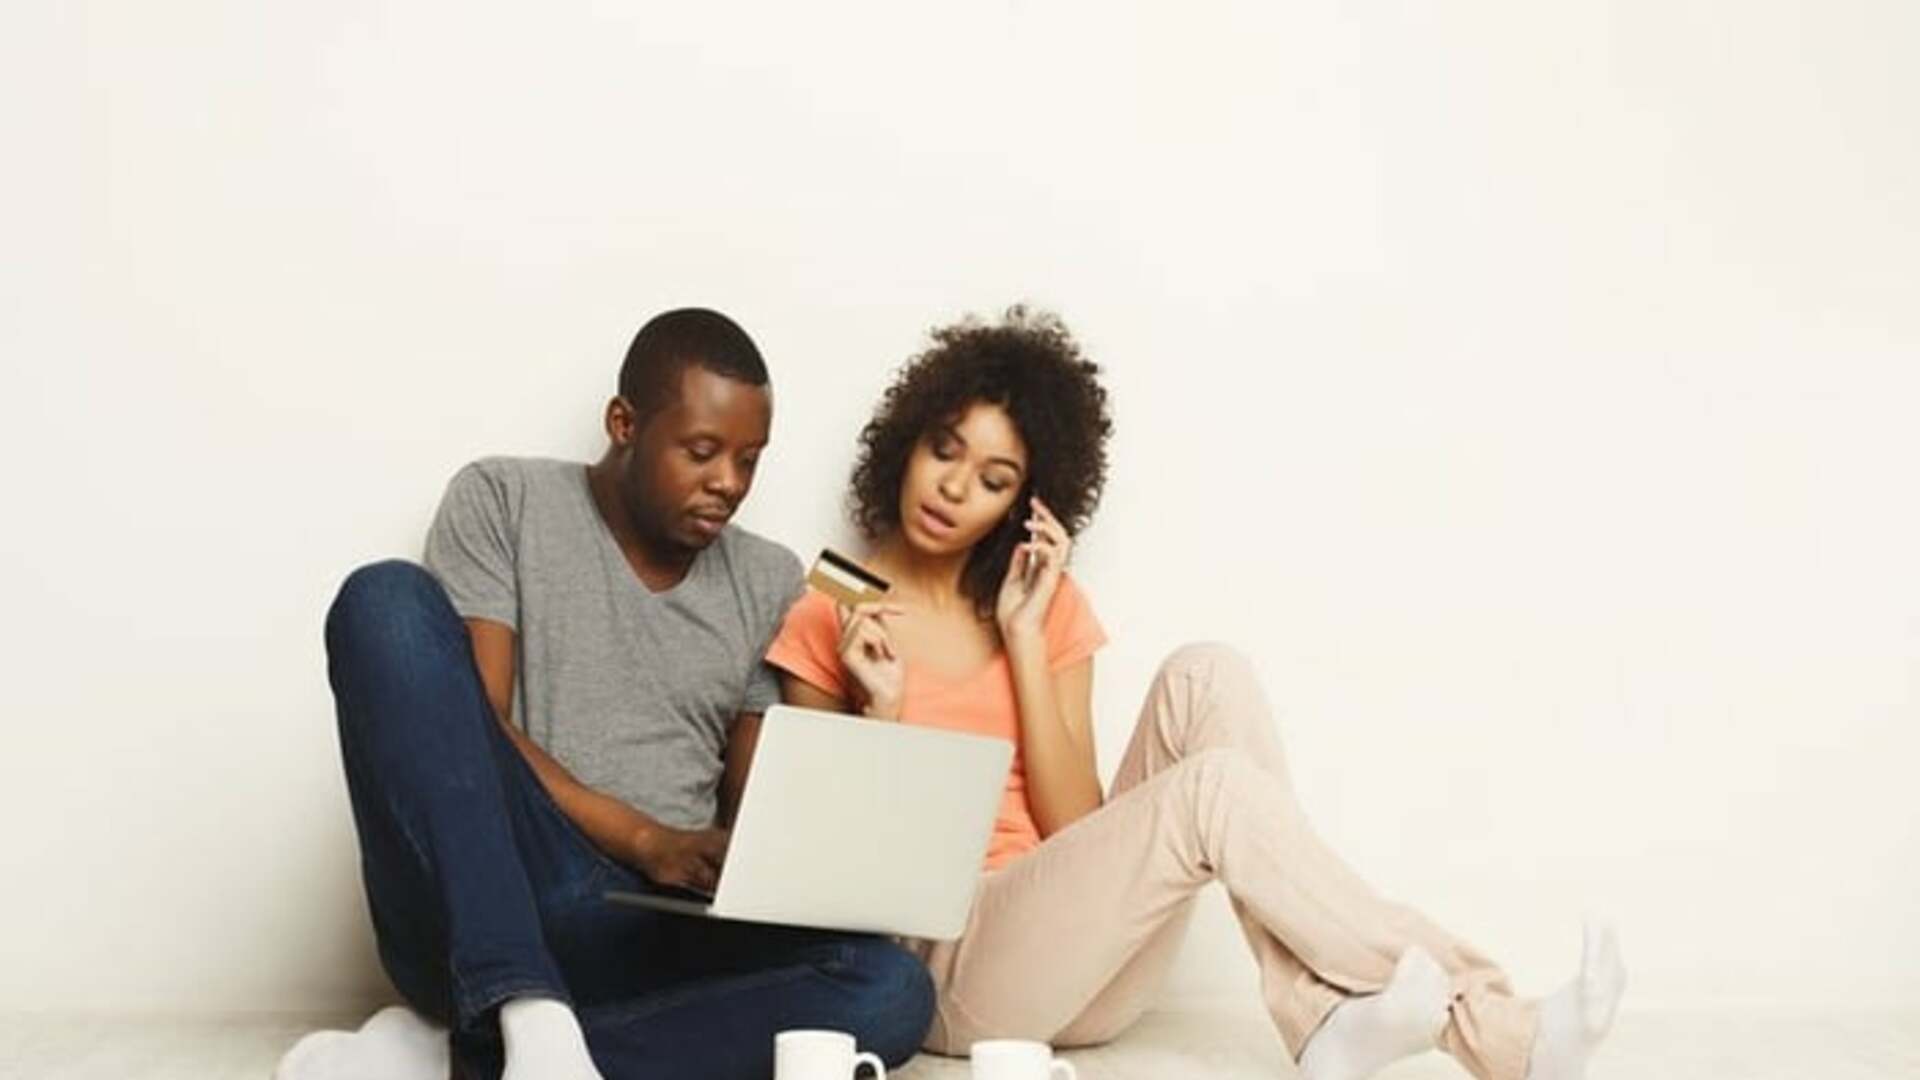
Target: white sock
column 544, row 1041
column 1365, row 1034
column 395, row 1044
column 1579, row 1014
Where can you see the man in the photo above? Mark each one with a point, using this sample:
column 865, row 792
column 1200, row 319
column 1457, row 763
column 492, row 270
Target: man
column 564, row 705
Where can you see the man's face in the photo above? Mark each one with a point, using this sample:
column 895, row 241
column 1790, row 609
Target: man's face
column 690, row 465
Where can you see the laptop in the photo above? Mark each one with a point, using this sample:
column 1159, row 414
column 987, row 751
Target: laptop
column 855, row 824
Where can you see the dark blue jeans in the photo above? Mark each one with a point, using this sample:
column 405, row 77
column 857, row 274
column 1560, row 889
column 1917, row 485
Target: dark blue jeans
column 481, row 890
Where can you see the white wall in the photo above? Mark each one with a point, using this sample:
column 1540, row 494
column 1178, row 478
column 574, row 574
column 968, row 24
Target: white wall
column 1529, row 388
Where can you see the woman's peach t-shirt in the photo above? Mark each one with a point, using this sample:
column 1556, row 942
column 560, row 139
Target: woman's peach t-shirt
column 808, row 647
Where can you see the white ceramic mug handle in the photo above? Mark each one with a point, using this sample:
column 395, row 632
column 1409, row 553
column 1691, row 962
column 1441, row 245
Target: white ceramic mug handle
column 879, row 1067
column 1064, row 1068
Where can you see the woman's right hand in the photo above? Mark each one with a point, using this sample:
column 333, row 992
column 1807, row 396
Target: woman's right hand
column 866, row 650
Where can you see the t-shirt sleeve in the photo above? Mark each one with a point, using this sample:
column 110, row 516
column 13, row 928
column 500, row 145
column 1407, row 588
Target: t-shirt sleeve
column 470, row 547
column 783, row 588
column 1073, row 632
column 808, row 645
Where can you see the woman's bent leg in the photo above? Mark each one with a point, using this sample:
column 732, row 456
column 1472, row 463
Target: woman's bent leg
column 1318, row 931
column 1119, row 1004
column 1051, row 934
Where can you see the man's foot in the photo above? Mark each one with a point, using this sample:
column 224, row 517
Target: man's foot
column 395, row 1044
column 1366, row 1034
column 544, row 1041
column 1579, row 1014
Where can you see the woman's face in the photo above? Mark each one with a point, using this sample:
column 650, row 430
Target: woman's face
column 962, row 479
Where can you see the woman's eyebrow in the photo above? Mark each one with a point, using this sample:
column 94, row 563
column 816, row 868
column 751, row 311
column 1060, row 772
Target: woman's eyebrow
column 953, row 433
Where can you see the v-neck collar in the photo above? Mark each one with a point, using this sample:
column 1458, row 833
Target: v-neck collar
column 611, row 547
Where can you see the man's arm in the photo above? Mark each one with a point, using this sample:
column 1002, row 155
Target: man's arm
column 745, row 738
column 741, row 742
column 666, row 855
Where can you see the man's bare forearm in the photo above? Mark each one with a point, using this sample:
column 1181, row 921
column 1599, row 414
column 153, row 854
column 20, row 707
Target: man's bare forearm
column 616, row 828
column 621, row 831
column 733, row 778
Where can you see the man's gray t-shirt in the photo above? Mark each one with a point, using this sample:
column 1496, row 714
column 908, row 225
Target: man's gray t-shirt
column 633, row 691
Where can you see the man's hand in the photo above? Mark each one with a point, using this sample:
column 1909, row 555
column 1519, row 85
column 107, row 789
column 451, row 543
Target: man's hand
column 681, row 858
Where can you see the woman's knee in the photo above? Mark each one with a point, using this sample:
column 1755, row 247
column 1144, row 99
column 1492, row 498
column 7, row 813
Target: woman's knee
column 1209, row 658
column 1196, row 654
column 1221, row 691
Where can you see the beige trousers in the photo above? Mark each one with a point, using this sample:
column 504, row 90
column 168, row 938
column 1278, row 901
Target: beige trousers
column 1069, row 943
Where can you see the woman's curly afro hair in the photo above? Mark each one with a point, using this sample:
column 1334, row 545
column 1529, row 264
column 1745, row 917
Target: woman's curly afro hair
column 1026, row 363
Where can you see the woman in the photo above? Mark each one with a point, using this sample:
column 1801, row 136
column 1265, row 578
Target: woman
column 986, row 455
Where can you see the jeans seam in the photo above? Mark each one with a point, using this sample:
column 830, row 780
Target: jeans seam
column 470, row 1003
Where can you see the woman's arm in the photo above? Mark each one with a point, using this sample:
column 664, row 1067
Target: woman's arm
column 1056, row 707
column 1056, row 735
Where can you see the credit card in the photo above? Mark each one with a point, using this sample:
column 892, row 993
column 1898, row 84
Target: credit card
column 845, row 580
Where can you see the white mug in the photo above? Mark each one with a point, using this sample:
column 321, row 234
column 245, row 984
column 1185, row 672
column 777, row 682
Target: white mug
column 820, row 1055
column 1017, row 1059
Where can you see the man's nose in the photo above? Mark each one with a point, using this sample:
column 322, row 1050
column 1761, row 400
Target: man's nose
column 729, row 479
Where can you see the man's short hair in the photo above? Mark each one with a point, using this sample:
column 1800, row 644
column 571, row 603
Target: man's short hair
column 673, row 341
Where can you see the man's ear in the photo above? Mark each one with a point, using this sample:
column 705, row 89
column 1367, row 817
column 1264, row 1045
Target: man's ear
column 621, row 422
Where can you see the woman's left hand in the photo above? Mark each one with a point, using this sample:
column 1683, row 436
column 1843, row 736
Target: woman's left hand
column 1033, row 576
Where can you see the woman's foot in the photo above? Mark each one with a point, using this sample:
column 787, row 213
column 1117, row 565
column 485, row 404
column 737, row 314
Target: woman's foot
column 1366, row 1034
column 544, row 1041
column 395, row 1044
column 1579, row 1014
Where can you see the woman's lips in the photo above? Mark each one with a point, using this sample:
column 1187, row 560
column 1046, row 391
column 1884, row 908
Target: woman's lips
column 934, row 520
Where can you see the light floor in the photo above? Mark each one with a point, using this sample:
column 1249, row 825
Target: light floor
column 1166, row 1046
